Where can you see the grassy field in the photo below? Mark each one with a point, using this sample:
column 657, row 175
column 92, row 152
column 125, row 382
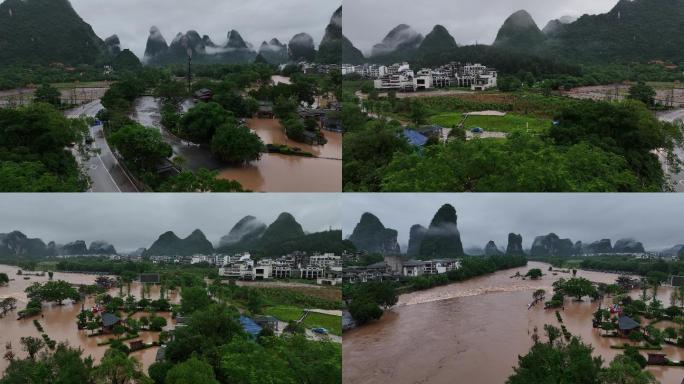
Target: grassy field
column 506, row 123
column 314, row 320
column 46, row 266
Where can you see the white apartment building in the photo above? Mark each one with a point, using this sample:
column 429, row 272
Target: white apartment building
column 400, row 77
column 326, row 260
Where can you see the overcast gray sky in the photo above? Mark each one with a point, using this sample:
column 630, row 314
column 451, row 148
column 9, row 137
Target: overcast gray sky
column 133, row 221
column 256, row 20
column 367, row 22
column 654, row 219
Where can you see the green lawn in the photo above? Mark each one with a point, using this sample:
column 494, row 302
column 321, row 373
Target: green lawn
column 314, row 320
column 332, row 323
column 506, row 123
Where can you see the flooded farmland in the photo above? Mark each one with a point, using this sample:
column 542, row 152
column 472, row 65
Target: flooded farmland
column 59, row 322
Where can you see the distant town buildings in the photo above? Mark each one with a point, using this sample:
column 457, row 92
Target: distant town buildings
column 400, row 77
column 394, row 268
column 326, row 268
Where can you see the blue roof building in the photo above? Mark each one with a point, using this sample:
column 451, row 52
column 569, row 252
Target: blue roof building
column 414, row 138
column 250, row 326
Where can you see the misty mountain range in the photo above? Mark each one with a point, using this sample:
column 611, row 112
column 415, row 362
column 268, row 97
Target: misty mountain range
column 633, row 30
column 443, row 240
column 50, row 31
column 283, row 236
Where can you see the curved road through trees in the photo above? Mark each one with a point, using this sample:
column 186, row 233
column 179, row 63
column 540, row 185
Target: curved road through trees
column 105, row 172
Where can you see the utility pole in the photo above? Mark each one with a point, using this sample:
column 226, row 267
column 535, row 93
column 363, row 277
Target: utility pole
column 189, row 70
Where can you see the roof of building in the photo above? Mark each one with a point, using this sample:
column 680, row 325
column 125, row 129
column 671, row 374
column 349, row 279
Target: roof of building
column 413, row 263
column 109, row 319
column 626, row 323
column 415, row 138
column 152, row 278
column 430, row 129
column 250, row 326
column 677, row 281
column 265, row 319
column 161, row 353
column 378, row 265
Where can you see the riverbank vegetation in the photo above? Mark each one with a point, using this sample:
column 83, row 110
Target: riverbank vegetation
column 591, row 146
column 557, row 360
column 624, row 263
column 366, row 301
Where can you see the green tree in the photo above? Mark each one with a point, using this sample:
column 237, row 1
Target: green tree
column 236, row 144
column 552, row 333
column 191, row 371
column 157, row 323
column 117, row 368
column 158, row 371
column 203, row 180
column 193, row 299
column 48, row 94
column 142, row 148
column 294, row 128
column 367, row 153
column 642, row 92
column 284, row 107
column 64, row 365
column 201, row 122
column 4, row 279
column 32, row 345
column 624, row 370
column 118, row 330
column 578, row 287
column 419, row 112
column 558, row 362
column 364, row 310
column 534, row 273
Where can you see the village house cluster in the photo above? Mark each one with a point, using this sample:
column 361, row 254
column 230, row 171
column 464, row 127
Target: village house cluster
column 400, row 77
column 394, row 268
column 325, row 268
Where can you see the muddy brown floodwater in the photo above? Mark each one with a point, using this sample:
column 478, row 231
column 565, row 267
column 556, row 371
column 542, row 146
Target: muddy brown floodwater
column 59, row 322
column 281, row 173
column 474, row 331
column 273, row 172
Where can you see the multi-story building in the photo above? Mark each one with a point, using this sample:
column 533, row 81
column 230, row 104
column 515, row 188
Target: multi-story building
column 400, row 77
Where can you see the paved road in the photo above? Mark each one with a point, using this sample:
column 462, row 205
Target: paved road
column 105, row 172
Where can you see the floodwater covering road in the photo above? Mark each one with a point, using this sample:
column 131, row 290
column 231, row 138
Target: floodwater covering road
column 105, row 172
column 475, row 331
column 273, row 172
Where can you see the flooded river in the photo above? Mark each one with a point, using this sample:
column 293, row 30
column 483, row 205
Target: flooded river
column 473, row 331
column 273, row 172
column 59, row 322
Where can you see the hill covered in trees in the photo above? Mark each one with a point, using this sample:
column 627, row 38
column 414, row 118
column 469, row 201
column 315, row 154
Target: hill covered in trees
column 46, row 32
column 632, row 31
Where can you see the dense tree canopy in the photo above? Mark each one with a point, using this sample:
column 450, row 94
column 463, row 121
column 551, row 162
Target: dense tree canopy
column 142, row 147
column 236, row 144
column 201, row 122
column 33, row 154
